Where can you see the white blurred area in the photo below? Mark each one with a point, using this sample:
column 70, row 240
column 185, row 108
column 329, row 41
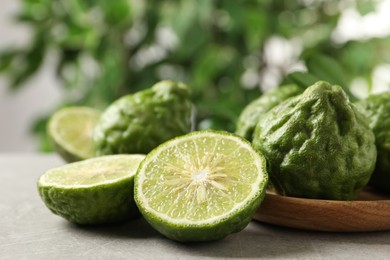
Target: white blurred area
column 282, row 55
column 19, row 109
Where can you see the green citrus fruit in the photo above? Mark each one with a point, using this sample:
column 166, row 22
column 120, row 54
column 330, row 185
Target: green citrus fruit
column 139, row 122
column 201, row 186
column 318, row 145
column 93, row 191
column 251, row 114
column 377, row 109
column 71, row 129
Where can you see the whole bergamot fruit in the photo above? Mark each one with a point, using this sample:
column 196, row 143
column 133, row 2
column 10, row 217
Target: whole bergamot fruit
column 377, row 109
column 139, row 122
column 249, row 117
column 318, row 145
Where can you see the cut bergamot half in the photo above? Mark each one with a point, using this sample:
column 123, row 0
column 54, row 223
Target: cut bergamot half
column 99, row 190
column 71, row 129
column 201, row 186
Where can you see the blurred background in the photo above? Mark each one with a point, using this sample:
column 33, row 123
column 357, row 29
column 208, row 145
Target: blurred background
column 57, row 53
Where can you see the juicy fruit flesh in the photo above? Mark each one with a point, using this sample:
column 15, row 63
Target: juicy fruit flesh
column 212, row 182
column 82, row 193
column 93, row 171
column 75, row 124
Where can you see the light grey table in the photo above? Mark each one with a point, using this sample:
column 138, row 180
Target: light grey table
column 28, row 230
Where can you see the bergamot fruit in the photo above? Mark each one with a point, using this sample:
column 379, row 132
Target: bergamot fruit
column 249, row 117
column 99, row 190
column 139, row 122
column 201, row 186
column 318, row 145
column 71, row 130
column 377, row 109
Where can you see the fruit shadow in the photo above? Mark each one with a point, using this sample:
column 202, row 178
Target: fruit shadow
column 258, row 240
column 133, row 229
column 248, row 243
column 266, row 241
column 252, row 242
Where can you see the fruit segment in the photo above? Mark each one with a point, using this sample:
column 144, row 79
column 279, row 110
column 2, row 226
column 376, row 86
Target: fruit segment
column 71, row 130
column 205, row 178
column 93, row 191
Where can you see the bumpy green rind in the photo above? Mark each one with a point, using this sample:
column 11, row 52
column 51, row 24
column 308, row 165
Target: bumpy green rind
column 108, row 204
column 251, row 114
column 139, row 122
column 377, row 109
column 318, row 145
column 102, row 203
column 214, row 231
column 199, row 233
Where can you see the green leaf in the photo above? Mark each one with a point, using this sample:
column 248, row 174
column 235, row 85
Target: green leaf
column 302, row 79
column 38, row 128
column 34, row 11
column 256, row 28
column 329, row 69
column 366, row 6
column 116, row 13
column 211, row 62
column 31, row 61
column 181, row 17
column 6, row 58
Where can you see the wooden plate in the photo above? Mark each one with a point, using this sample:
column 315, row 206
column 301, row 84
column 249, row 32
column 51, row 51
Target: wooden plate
column 370, row 212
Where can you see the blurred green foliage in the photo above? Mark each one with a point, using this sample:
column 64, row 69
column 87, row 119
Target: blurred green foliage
column 106, row 49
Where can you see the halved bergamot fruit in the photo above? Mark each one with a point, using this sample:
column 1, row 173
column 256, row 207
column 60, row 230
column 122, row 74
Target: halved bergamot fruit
column 201, row 186
column 71, row 130
column 94, row 191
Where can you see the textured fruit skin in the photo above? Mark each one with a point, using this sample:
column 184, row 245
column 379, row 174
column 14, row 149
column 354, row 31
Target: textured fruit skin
column 377, row 109
column 318, row 145
column 139, row 122
column 100, row 205
column 66, row 153
column 216, row 231
column 94, row 191
column 249, row 117
column 200, row 232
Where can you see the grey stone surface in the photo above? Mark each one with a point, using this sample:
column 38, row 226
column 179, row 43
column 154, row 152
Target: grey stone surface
column 28, row 230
